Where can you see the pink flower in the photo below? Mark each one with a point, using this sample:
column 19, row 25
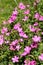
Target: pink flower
column 27, row 62
column 22, row 34
column 24, row 54
column 34, row 45
column 36, row 38
column 36, row 16
column 12, row 47
column 25, row 18
column 14, row 42
column 36, row 24
column 13, row 16
column 1, row 39
column 7, row 41
column 18, row 47
column 27, row 11
column 33, row 62
column 41, row 18
column 41, row 57
column 15, row 13
column 8, row 33
column 10, row 20
column 19, row 29
column 21, row 40
column 25, row 36
column 16, row 26
column 42, row 33
column 38, row 29
column 15, row 59
column 32, row 29
column 27, row 49
column 22, row 6
column 4, row 30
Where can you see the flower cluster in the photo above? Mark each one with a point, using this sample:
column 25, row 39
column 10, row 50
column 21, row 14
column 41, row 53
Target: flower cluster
column 13, row 16
column 19, row 29
column 28, row 62
column 38, row 17
column 21, row 37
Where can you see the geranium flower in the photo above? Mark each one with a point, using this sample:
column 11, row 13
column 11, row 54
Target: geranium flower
column 15, row 59
column 22, row 34
column 25, row 18
column 27, row 11
column 27, row 49
column 36, row 24
column 34, row 45
column 41, row 57
column 15, row 12
column 36, row 16
column 21, row 6
column 1, row 39
column 4, row 30
column 24, row 54
column 16, row 26
column 41, row 18
column 36, row 38
column 13, row 17
column 33, row 62
column 32, row 29
column 18, row 47
column 13, row 45
column 28, row 62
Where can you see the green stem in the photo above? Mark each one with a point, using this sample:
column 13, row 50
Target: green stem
column 16, row 2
